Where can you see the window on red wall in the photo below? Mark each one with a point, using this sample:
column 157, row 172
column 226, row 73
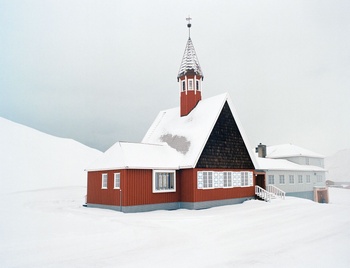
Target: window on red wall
column 104, row 181
column 164, row 181
column 116, row 180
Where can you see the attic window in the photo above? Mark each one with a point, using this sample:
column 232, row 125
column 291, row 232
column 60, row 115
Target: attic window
column 183, row 85
column 164, row 181
column 197, row 85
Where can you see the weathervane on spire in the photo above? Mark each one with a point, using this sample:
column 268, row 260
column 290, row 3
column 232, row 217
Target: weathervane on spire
column 189, row 25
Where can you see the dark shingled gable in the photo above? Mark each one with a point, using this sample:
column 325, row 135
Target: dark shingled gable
column 225, row 147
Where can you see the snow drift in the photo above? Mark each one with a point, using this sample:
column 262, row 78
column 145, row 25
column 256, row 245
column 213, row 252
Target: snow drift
column 30, row 159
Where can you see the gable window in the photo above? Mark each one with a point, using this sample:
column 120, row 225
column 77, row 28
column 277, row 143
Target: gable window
column 300, row 178
column 104, row 180
column 291, row 179
column 116, row 180
column 190, row 84
column 271, row 179
column 164, row 181
column 308, row 179
column 197, row 85
column 183, row 85
column 282, row 181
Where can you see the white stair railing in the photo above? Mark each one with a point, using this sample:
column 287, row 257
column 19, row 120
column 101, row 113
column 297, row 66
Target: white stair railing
column 276, row 191
column 262, row 193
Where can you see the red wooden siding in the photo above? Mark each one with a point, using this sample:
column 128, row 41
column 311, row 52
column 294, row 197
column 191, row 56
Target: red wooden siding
column 97, row 195
column 135, row 188
column 190, row 193
column 189, row 101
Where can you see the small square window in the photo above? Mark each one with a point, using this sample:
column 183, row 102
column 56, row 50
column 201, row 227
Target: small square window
column 164, row 181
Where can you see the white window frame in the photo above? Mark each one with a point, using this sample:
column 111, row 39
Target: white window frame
column 117, row 180
column 207, row 180
column 190, row 84
column 280, row 179
column 291, row 179
column 271, row 179
column 104, row 181
column 227, row 179
column 300, row 179
column 319, row 178
column 156, row 181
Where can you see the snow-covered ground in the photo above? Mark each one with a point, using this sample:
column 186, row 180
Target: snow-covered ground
column 51, row 228
column 43, row 222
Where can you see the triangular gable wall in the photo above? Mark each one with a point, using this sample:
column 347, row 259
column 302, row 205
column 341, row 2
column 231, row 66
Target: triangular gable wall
column 225, row 147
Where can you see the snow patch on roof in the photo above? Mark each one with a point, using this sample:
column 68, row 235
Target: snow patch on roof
column 289, row 150
column 189, row 134
column 179, row 143
column 285, row 165
column 137, row 156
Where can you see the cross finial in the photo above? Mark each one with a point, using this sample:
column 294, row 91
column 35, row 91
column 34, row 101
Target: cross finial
column 189, row 25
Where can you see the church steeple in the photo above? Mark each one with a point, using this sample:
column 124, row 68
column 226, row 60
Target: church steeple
column 189, row 77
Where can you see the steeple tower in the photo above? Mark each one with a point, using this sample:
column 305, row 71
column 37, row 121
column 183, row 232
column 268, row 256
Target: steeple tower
column 189, row 77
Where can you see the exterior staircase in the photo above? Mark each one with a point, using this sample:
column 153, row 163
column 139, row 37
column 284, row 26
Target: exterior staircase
column 271, row 192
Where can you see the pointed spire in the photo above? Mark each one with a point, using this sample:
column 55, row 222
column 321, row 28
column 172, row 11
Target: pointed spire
column 189, row 63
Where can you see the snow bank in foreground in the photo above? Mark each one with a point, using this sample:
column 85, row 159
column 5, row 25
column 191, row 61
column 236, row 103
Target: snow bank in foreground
column 30, row 159
column 50, row 228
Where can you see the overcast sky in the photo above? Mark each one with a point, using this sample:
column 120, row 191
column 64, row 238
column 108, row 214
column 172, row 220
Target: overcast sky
column 100, row 71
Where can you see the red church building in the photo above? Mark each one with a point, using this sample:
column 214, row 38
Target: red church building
column 195, row 156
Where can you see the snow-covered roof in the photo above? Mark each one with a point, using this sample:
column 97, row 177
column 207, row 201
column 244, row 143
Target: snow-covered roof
column 285, row 165
column 137, row 156
column 172, row 141
column 189, row 134
column 189, row 60
column 289, row 150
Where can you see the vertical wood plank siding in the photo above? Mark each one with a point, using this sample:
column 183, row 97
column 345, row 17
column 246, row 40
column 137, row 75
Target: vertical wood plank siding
column 190, row 193
column 97, row 195
column 135, row 188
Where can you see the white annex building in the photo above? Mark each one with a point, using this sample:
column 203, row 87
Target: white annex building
column 296, row 171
